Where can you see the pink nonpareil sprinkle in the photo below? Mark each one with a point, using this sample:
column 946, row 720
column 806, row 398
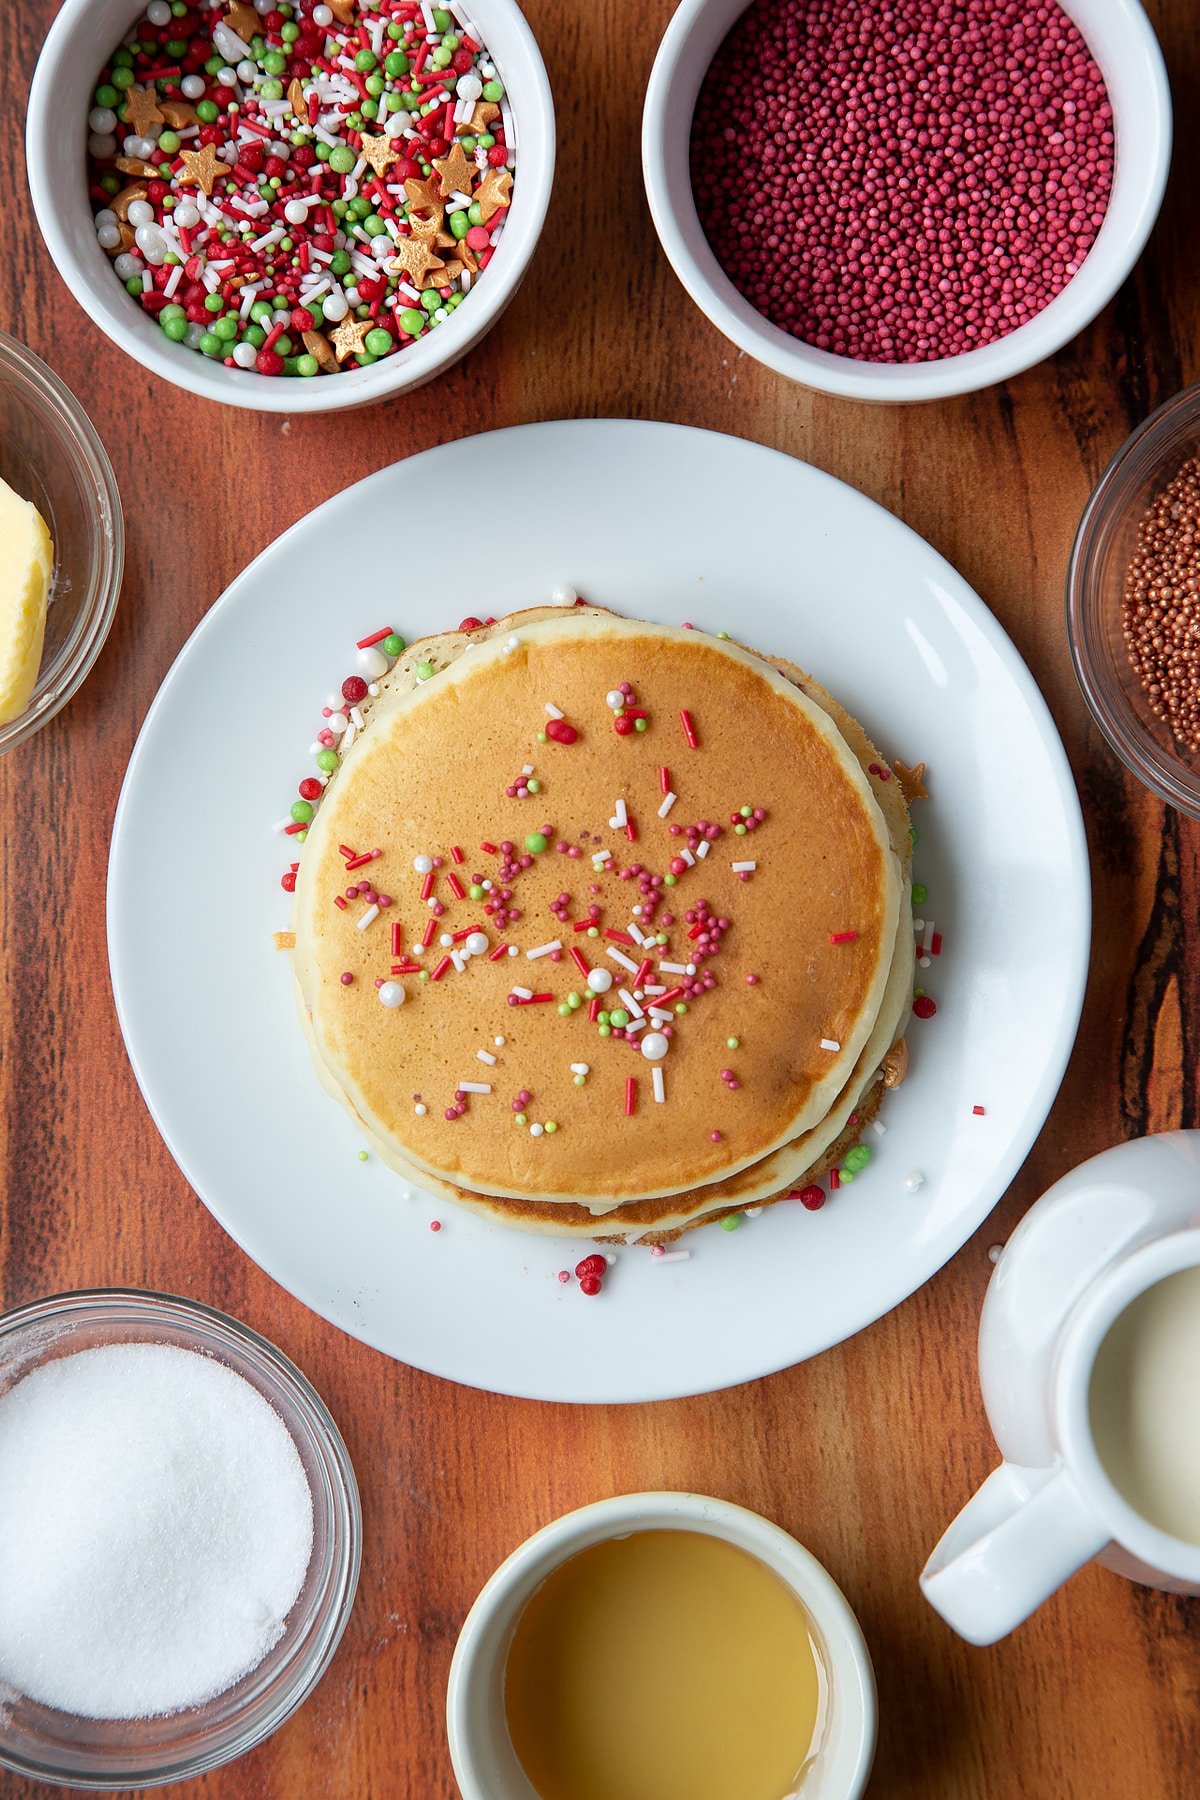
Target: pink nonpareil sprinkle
column 902, row 180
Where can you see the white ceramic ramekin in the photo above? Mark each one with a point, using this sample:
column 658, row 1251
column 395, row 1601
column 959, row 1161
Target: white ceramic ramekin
column 77, row 47
column 485, row 1763
column 1124, row 45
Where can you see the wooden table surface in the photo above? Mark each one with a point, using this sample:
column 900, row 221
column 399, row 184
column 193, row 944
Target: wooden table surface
column 868, row 1451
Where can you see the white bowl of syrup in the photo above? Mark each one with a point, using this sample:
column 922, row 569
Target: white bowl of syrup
column 661, row 1644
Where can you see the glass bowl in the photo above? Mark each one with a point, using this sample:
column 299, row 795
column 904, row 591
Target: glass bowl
column 108, row 1754
column 50, row 454
column 1104, row 544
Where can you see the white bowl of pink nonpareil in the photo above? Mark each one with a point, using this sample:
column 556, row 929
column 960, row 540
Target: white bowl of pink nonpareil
column 894, row 245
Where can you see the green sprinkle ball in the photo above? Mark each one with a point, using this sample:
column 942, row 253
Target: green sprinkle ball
column 536, row 842
column 857, row 1159
column 730, row 1222
column 920, row 893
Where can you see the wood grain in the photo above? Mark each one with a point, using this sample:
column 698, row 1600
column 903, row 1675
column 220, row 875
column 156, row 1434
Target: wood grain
column 864, row 1453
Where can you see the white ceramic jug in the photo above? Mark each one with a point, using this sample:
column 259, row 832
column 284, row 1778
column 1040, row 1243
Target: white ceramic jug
column 1095, row 1241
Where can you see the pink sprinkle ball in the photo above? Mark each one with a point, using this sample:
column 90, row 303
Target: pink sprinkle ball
column 898, row 181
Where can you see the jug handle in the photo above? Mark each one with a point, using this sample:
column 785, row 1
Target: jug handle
column 1011, row 1546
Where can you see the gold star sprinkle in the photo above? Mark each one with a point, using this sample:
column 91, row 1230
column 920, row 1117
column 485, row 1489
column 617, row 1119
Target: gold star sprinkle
column 296, row 100
column 350, row 338
column 317, row 344
column 179, row 114
column 895, row 1064
column 415, row 257
column 492, row 194
column 423, row 197
column 200, row 168
column 912, row 781
column 342, row 10
column 455, row 172
column 478, row 121
column 380, row 151
column 133, row 165
column 243, row 20
column 141, row 110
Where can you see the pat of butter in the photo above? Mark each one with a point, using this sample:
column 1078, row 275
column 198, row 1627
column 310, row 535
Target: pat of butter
column 26, row 567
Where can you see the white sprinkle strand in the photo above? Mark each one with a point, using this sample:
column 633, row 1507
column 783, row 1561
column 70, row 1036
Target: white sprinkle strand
column 702, row 849
column 368, row 918
column 619, row 956
column 484, row 1056
column 673, row 968
column 523, row 993
column 745, row 868
column 580, row 1069
column 666, row 806
column 638, row 1012
column 670, row 1256
column 878, row 1127
column 830, row 1044
column 913, row 1181
column 544, row 949
column 553, row 711
column 475, row 1087
column 660, row 1086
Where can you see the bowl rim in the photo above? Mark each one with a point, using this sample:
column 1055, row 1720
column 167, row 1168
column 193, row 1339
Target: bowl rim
column 292, row 1389
column 667, row 1509
column 535, row 138
column 1145, row 450
column 1071, row 310
column 53, row 400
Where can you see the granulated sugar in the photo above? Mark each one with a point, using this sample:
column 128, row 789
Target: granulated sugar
column 156, row 1524
column 902, row 180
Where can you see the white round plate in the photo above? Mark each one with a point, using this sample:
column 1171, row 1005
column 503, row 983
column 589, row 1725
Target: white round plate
column 663, row 523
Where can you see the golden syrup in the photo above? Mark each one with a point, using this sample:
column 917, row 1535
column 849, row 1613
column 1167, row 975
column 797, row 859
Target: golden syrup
column 667, row 1665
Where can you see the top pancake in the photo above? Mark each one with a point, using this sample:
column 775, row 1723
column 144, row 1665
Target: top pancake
column 431, row 771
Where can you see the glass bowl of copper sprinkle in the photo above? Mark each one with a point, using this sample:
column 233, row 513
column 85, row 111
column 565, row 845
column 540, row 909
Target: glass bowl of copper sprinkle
column 1133, row 602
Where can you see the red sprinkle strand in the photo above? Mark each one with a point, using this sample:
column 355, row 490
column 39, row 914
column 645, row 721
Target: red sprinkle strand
column 498, row 952
column 441, row 969
column 580, row 961
column 664, row 780
column 630, row 1096
column 617, row 937
column 376, row 637
column 397, row 937
column 455, row 885
column 339, row 902
column 427, row 885
column 843, row 937
column 689, row 730
column 490, row 849
column 430, row 934
column 457, row 854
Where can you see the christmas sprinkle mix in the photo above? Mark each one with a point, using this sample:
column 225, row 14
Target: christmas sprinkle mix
column 298, row 189
column 902, row 180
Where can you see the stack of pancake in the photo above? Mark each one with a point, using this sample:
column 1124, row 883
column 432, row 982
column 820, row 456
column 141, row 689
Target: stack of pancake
column 638, row 1110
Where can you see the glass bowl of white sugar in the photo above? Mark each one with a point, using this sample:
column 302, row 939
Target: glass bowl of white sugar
column 181, row 1543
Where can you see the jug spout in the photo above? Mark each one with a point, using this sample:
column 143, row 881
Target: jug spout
column 1011, row 1546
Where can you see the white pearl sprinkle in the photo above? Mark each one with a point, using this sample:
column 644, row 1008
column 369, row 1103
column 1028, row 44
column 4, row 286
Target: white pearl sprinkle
column 140, row 213
column 476, row 944
column 420, row 1109
column 423, row 864
column 445, row 940
column 392, row 994
column 499, row 1042
column 373, row 663
column 614, row 699
column 599, row 980
column 536, row 1130
column 655, row 1046
column 564, row 594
